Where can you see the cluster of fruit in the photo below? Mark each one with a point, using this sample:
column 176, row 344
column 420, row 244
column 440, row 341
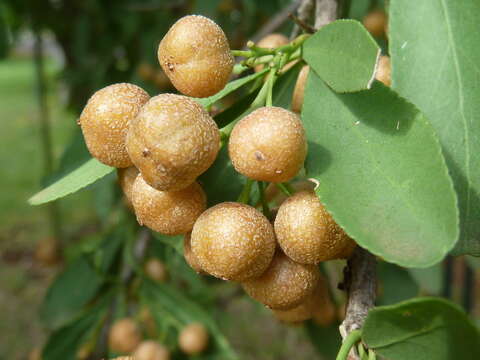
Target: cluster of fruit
column 162, row 144
column 125, row 336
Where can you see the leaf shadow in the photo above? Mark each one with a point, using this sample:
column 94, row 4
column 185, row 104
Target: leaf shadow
column 318, row 158
column 381, row 109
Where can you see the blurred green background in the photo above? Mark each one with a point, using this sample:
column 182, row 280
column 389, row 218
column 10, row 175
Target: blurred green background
column 54, row 55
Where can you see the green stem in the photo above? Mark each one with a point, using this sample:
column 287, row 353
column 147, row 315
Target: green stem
column 243, row 53
column 270, row 81
column 284, row 187
column 244, row 197
column 371, row 355
column 265, row 208
column 348, row 343
column 261, row 97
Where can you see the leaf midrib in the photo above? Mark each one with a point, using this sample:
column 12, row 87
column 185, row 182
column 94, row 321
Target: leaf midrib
column 411, row 336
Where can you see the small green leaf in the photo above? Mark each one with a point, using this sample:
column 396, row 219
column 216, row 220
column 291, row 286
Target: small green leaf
column 184, row 311
column 421, row 329
column 377, row 160
column 79, row 178
column 284, row 86
column 435, row 64
column 71, row 290
column 64, row 342
column 344, row 55
column 230, row 87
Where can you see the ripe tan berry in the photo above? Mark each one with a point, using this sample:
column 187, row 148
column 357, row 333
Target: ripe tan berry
column 313, row 304
column 233, row 241
column 124, row 336
column 172, row 141
column 156, row 270
column 271, row 41
column 384, row 70
column 190, row 257
column 376, row 22
column 306, row 232
column 105, row 120
column 284, row 285
column 193, row 339
column 268, row 145
column 168, row 212
column 126, row 177
column 151, row 350
column 298, row 92
column 196, row 56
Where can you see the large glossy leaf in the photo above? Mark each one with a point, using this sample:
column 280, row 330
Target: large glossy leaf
column 79, row 178
column 435, row 57
column 185, row 311
column 381, row 172
column 71, row 290
column 421, row 329
column 344, row 54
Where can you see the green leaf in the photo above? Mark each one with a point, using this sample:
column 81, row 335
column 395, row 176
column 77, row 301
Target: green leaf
column 284, row 86
column 230, row 87
column 71, row 290
column 396, row 284
column 435, row 58
column 421, row 329
column 176, row 242
column 184, row 310
column 64, row 342
column 377, row 160
column 79, row 178
column 344, row 54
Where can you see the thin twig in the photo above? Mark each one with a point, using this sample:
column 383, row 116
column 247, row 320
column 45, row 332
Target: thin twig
column 304, row 13
column 300, row 23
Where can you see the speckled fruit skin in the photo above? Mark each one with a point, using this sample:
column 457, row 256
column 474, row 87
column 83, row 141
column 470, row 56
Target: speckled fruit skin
column 233, row 241
column 172, row 141
column 284, row 285
column 151, row 350
column 193, row 339
column 384, row 70
column 105, row 120
column 306, row 232
column 269, row 144
column 156, row 270
column 376, row 22
column 196, row 56
column 124, row 336
column 126, row 177
column 271, row 41
column 188, row 254
column 168, row 212
column 310, row 306
column 298, row 92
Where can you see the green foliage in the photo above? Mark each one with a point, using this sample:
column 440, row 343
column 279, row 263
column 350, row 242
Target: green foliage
column 84, row 175
column 423, row 328
column 435, row 65
column 395, row 284
column 376, row 158
column 343, row 54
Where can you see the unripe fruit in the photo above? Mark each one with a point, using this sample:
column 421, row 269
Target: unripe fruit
column 313, row 304
column 306, row 232
column 168, row 212
column 190, row 257
column 384, row 70
column 271, row 41
column 233, row 241
column 48, row 252
column 268, row 145
column 105, row 120
column 196, row 56
column 172, row 141
column 151, row 350
column 376, row 22
column 284, row 285
column 124, row 336
column 126, row 177
column 298, row 92
column 156, row 270
column 193, row 339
